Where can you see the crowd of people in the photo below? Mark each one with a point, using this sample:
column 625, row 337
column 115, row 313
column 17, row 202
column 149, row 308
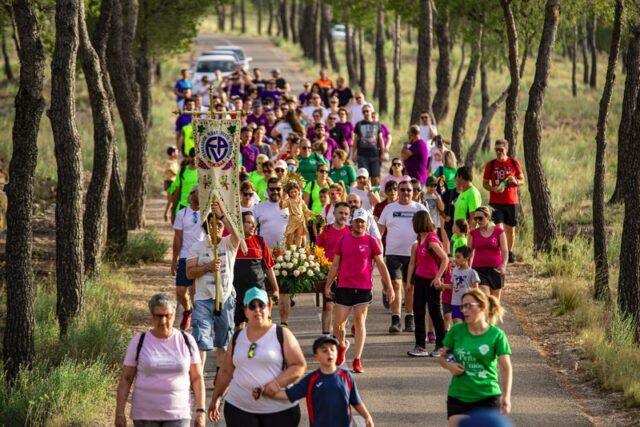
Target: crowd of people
column 312, row 174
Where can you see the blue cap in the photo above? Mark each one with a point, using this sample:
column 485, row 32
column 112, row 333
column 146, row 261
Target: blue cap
column 255, row 293
column 486, row 418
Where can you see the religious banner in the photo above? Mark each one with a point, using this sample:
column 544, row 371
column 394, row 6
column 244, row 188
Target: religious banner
column 218, row 154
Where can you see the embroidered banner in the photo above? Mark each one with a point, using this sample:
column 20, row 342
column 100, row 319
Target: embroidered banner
column 218, row 154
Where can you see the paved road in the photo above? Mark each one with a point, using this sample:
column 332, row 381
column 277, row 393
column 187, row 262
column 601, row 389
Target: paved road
column 400, row 390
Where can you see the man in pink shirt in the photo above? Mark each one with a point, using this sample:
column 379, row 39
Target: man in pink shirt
column 328, row 239
column 352, row 265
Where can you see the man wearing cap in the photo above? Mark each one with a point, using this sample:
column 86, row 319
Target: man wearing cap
column 363, row 190
column 354, row 202
column 415, row 155
column 352, row 265
column 186, row 232
column 257, row 115
column 396, row 219
column 280, row 82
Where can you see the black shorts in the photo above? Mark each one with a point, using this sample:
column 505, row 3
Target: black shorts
column 398, row 265
column 371, row 164
column 458, row 407
column 505, row 214
column 490, row 277
column 446, row 308
column 181, row 274
column 350, row 297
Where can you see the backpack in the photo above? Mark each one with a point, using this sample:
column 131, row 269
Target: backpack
column 139, row 347
column 279, row 335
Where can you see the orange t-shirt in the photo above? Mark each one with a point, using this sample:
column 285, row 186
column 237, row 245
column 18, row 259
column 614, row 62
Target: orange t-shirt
column 325, row 83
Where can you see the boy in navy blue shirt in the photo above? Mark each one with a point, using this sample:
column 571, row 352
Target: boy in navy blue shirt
column 330, row 391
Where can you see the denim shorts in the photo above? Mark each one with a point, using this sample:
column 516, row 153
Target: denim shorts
column 181, row 274
column 211, row 331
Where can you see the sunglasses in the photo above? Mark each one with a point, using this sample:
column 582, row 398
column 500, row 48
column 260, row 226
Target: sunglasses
column 478, row 218
column 305, row 148
column 323, row 171
column 424, row 117
column 417, row 190
column 275, row 189
column 256, row 305
column 397, row 164
column 468, row 305
column 499, row 150
column 247, row 194
column 331, row 118
column 405, row 190
column 252, row 350
column 195, row 217
column 279, row 170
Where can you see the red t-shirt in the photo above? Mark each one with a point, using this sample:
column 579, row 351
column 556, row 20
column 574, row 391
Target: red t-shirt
column 254, row 251
column 496, row 171
column 329, row 239
column 356, row 257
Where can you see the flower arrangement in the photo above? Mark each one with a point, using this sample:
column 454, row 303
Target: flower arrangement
column 300, row 268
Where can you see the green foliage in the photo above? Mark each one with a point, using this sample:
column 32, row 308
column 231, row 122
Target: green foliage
column 144, row 248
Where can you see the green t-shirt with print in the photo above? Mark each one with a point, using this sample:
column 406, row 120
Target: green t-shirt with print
column 449, row 176
column 345, row 174
column 468, row 201
column 479, row 355
column 259, row 183
column 307, row 166
column 189, row 141
column 313, row 189
column 186, row 180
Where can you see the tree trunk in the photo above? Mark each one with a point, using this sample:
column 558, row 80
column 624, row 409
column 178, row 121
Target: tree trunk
column 292, row 21
column 322, row 39
column 625, row 141
column 585, row 55
column 333, row 58
column 69, row 254
column 422, row 95
column 221, row 15
column 282, row 14
column 232, row 14
column 350, row 55
column 593, row 78
column 270, row 25
column 511, row 106
column 103, row 140
column 313, row 31
column 144, row 75
column 574, row 54
column 409, row 34
column 397, row 93
column 440, row 105
column 484, row 94
column 363, row 66
column 259, row 10
column 117, row 234
column 18, row 343
column 243, row 17
column 461, row 65
column 483, row 128
column 544, row 226
column 464, row 99
column 8, row 72
column 127, row 95
column 381, row 64
column 601, row 281
column 528, row 39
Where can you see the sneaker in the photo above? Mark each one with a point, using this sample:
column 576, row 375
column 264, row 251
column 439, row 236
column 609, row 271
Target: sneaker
column 418, row 351
column 512, row 258
column 357, row 366
column 436, row 352
column 185, row 323
column 342, row 351
column 293, row 303
column 385, row 303
column 396, row 326
column 408, row 323
column 431, row 337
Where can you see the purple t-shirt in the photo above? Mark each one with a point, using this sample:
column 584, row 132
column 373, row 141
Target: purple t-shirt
column 347, row 128
column 249, row 154
column 182, row 121
column 273, row 94
column 303, row 98
column 331, row 147
column 384, row 130
column 258, row 120
column 416, row 165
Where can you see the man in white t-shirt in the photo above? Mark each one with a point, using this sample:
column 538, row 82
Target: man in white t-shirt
column 428, row 130
column 270, row 218
column 355, row 108
column 363, row 190
column 314, row 103
column 210, row 329
column 186, row 232
column 397, row 220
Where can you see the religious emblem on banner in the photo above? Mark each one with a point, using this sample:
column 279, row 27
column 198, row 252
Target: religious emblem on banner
column 217, row 151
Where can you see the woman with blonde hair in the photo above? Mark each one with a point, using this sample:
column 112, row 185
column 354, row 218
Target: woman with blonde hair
column 447, row 172
column 474, row 351
column 341, row 171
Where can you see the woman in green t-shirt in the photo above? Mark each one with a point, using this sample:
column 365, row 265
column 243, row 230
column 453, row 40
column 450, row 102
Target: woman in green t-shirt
column 473, row 352
column 342, row 171
column 448, row 170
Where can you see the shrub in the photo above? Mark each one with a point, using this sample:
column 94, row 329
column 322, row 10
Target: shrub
column 143, row 248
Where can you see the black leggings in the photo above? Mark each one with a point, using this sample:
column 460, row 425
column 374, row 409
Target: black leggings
column 236, row 417
column 426, row 295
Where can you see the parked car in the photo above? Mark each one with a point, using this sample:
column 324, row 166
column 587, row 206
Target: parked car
column 208, row 64
column 237, row 51
column 339, row 32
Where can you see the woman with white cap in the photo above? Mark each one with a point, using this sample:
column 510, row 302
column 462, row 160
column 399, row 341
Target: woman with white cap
column 260, row 356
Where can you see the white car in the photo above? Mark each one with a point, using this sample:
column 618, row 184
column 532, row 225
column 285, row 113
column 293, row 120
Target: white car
column 237, row 51
column 208, row 64
column 339, row 32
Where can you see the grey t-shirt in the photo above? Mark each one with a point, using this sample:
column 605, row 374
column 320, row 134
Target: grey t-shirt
column 462, row 281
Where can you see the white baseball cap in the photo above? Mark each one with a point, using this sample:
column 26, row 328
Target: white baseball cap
column 362, row 172
column 360, row 214
column 281, row 164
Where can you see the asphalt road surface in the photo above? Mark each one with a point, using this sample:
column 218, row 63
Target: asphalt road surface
column 400, row 390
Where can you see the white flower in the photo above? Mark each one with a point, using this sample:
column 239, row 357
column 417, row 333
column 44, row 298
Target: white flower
column 306, row 264
column 287, row 253
column 276, row 266
column 290, row 265
column 284, row 273
column 311, row 257
column 287, row 257
column 293, row 247
column 303, row 269
column 317, row 269
column 310, row 273
column 276, row 272
column 296, row 273
column 279, row 259
column 302, row 251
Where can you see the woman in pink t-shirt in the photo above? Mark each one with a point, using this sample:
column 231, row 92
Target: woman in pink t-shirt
column 490, row 252
column 165, row 364
column 429, row 261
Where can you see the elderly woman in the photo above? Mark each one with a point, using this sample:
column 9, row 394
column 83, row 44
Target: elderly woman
column 262, row 358
column 165, row 364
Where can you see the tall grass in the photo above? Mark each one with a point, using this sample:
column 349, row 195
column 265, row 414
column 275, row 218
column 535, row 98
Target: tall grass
column 143, row 248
